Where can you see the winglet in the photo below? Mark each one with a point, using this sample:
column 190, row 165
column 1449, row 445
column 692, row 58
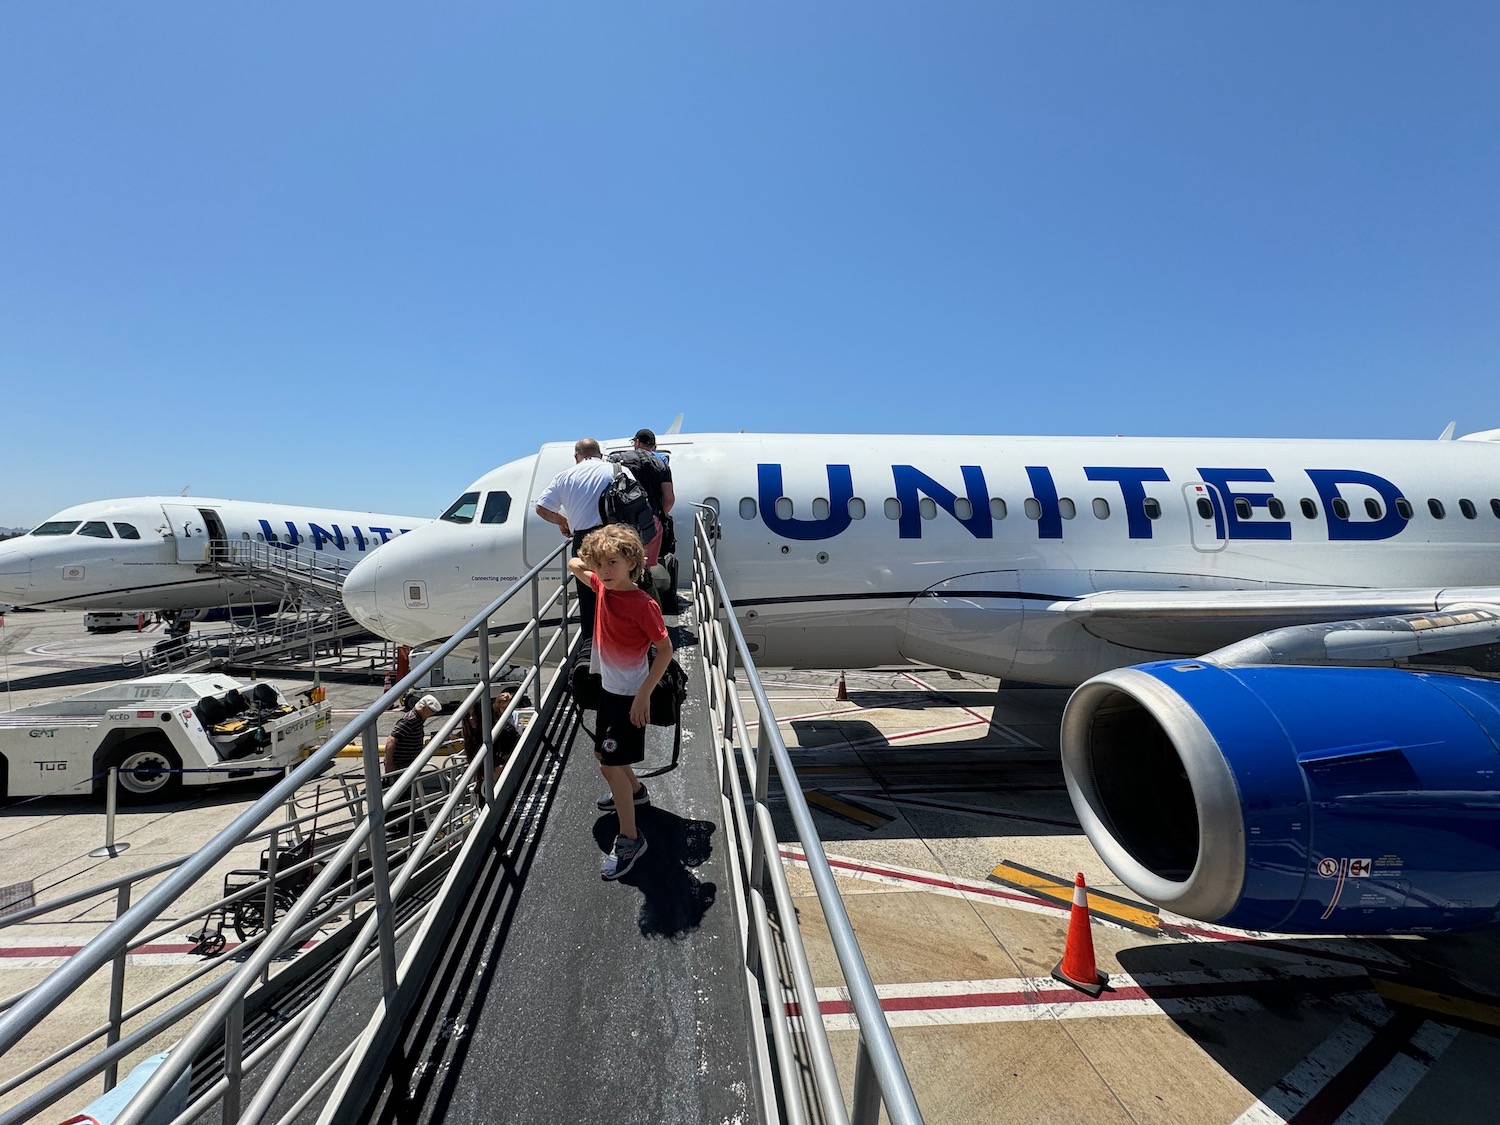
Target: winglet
column 676, row 426
column 1447, row 435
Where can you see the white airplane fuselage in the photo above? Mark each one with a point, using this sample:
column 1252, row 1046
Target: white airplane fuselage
column 151, row 552
column 1009, row 556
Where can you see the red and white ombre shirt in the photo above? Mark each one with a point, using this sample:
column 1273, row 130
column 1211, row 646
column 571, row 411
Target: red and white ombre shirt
column 626, row 624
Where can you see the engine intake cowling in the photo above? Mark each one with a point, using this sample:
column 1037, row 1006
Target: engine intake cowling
column 1296, row 799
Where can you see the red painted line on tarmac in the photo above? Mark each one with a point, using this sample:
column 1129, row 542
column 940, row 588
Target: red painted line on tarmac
column 1048, row 997
column 936, row 691
column 70, row 950
column 1340, row 1092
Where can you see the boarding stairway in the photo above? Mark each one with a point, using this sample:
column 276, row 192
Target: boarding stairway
column 309, row 613
column 450, row 952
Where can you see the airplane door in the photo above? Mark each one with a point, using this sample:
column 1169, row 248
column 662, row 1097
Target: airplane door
column 539, row 536
column 187, row 526
column 1205, row 515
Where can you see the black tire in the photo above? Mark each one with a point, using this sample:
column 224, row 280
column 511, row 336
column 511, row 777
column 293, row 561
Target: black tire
column 147, row 768
column 250, row 913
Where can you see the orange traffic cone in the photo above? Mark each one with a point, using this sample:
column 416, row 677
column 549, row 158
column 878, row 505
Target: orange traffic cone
column 1077, row 966
column 843, row 692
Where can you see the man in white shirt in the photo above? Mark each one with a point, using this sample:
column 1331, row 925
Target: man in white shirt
column 571, row 502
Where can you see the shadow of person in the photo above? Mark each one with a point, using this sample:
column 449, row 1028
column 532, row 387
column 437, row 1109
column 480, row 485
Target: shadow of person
column 674, row 900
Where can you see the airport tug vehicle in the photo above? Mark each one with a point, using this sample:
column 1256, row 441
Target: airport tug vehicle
column 161, row 732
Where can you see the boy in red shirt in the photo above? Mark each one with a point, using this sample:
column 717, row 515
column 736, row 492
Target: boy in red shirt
column 627, row 623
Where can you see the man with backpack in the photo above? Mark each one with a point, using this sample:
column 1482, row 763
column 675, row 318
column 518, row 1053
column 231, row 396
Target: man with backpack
column 655, row 475
column 571, row 502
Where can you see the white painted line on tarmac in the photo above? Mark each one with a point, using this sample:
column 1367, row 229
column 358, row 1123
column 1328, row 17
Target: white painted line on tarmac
column 1026, row 999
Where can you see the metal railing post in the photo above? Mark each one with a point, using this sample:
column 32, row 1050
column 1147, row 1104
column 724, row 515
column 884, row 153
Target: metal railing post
column 234, row 1056
column 117, row 991
column 486, row 713
column 380, row 872
column 866, row 1108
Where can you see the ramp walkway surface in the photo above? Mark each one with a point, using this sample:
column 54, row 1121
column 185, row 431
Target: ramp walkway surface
column 583, row 1000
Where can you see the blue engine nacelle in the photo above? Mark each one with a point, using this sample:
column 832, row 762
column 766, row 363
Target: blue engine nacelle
column 1296, row 799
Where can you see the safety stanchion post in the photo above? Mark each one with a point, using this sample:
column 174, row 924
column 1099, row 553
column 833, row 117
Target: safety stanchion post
column 111, row 800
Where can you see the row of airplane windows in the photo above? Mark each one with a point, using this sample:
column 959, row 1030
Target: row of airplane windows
column 95, row 529
column 963, row 509
column 497, row 508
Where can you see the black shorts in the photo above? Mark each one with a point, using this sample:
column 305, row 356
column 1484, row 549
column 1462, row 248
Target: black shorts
column 618, row 741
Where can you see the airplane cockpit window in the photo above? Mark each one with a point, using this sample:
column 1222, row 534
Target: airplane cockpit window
column 127, row 531
column 98, row 529
column 56, row 527
column 496, row 508
column 462, row 510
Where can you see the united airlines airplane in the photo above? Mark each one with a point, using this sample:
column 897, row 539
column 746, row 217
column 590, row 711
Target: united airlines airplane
column 1334, row 769
column 153, row 552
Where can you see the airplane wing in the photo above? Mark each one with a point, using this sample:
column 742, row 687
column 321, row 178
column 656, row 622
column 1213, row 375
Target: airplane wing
column 1198, row 621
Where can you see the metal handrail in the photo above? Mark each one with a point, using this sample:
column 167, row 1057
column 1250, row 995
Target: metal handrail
column 368, row 840
column 879, row 1073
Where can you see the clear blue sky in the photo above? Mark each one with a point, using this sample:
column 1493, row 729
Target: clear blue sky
column 357, row 254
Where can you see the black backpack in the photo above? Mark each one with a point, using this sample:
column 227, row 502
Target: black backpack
column 626, row 501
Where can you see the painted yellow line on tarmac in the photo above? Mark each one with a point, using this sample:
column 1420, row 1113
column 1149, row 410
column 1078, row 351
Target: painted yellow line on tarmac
column 1136, row 915
column 1438, row 1003
column 860, row 815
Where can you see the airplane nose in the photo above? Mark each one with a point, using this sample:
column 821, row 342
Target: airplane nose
column 359, row 595
column 15, row 576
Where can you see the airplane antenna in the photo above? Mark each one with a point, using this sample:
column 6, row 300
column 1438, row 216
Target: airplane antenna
column 1447, row 435
column 676, row 426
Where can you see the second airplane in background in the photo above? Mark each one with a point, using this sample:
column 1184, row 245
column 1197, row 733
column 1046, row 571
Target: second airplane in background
column 155, row 552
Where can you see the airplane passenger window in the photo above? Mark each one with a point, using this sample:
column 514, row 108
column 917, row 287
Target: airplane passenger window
column 259, row 538
column 784, row 507
column 1101, row 508
column 1033, row 508
column 712, row 504
column 127, row 531
column 820, row 508
column 1242, row 507
column 1276, row 508
column 856, row 508
column 892, row 508
column 1436, row 508
column 928, row 507
column 245, row 535
column 1403, row 508
column 747, row 508
column 96, row 528
column 1153, row 508
column 496, row 508
column 1067, row 508
column 1205, row 509
column 1468, row 509
column 1495, row 507
column 56, row 527
column 1372, row 507
column 1340, row 507
column 462, row 510
column 1309, row 509
column 962, row 508
column 997, row 507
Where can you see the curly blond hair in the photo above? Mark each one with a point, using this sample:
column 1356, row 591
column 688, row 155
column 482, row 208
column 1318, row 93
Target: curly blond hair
column 613, row 539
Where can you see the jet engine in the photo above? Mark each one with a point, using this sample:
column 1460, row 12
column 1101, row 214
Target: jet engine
column 1294, row 799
